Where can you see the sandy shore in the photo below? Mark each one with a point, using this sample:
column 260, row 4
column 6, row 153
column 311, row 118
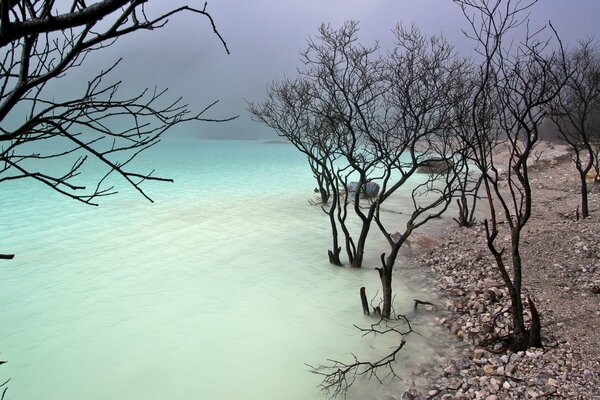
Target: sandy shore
column 561, row 273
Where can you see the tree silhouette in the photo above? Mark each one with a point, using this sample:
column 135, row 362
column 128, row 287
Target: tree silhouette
column 58, row 142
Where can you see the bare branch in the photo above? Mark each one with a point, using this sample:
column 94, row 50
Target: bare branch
column 339, row 376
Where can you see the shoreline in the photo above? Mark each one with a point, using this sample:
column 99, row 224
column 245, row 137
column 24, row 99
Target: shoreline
column 561, row 273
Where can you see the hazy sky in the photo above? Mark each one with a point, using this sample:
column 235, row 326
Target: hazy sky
column 265, row 37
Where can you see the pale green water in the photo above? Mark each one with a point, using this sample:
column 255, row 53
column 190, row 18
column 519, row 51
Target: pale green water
column 219, row 290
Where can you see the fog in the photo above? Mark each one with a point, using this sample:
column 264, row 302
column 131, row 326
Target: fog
column 265, row 38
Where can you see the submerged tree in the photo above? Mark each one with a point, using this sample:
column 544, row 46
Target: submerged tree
column 329, row 113
column 576, row 109
column 349, row 81
column 417, row 154
column 418, row 115
column 518, row 81
column 290, row 110
column 53, row 141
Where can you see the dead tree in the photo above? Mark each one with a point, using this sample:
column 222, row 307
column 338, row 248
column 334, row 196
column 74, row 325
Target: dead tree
column 349, row 81
column 468, row 176
column 411, row 129
column 55, row 141
column 575, row 111
column 290, row 110
column 468, row 182
column 418, row 116
column 519, row 81
column 325, row 113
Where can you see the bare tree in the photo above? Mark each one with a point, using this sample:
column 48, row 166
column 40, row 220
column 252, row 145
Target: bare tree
column 468, row 182
column 468, row 176
column 54, row 141
column 412, row 131
column 290, row 110
column 574, row 111
column 418, row 116
column 287, row 110
column 328, row 113
column 518, row 80
column 350, row 85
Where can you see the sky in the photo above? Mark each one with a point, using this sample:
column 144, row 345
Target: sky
column 265, row 38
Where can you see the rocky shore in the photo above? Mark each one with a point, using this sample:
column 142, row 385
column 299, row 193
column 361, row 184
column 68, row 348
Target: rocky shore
column 561, row 274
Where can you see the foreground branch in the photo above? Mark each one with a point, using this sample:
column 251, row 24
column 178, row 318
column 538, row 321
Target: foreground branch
column 339, row 376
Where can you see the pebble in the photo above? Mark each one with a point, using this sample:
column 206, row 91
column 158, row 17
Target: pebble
column 476, row 311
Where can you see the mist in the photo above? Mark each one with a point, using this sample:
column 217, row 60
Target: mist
column 265, row 39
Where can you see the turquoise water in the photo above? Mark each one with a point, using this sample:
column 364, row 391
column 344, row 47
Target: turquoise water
column 221, row 289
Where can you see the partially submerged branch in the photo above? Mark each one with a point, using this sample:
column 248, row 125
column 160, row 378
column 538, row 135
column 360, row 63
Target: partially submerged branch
column 339, row 376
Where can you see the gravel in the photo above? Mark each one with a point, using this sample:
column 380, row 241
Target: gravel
column 561, row 274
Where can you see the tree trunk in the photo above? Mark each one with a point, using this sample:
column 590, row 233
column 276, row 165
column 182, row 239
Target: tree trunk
column 342, row 204
column 463, row 210
column 324, row 195
column 362, row 238
column 334, row 254
column 385, row 275
column 360, row 251
column 350, row 248
column 363, row 300
column 535, row 330
column 521, row 339
column 518, row 341
column 585, row 212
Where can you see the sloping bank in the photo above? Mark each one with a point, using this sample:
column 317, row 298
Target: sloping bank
column 562, row 275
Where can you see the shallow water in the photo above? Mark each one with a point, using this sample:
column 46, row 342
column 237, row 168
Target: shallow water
column 219, row 290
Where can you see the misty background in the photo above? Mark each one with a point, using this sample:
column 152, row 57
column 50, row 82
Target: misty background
column 265, row 38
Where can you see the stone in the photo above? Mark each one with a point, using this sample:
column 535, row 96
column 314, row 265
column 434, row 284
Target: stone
column 410, row 394
column 489, row 369
column 490, row 295
column 510, row 368
column 433, row 166
column 368, row 190
column 478, row 353
column 451, row 370
column 531, row 354
column 478, row 307
column 455, row 328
